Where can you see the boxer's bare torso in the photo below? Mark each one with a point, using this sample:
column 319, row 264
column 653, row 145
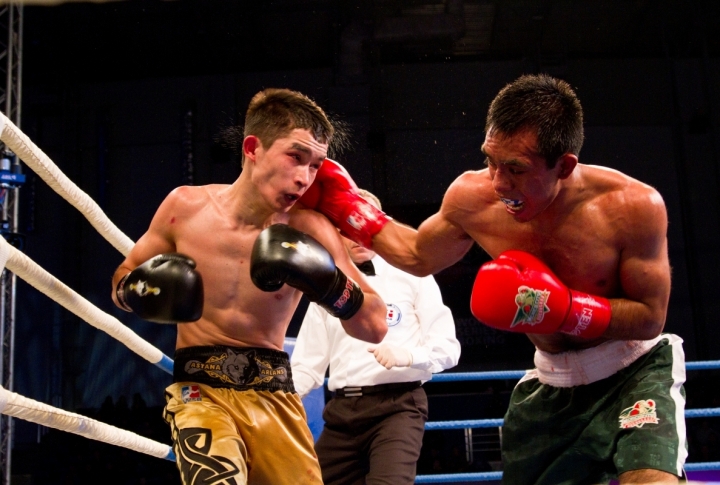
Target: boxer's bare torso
column 236, row 312
column 217, row 225
column 600, row 231
column 588, row 236
column 202, row 223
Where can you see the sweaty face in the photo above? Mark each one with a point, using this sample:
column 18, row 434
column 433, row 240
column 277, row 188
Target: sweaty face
column 283, row 172
column 519, row 175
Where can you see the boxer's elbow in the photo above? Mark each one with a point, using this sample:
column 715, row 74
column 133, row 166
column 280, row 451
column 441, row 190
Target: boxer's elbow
column 373, row 336
column 634, row 320
column 659, row 317
column 377, row 322
column 651, row 326
column 654, row 329
column 377, row 334
column 367, row 331
column 369, row 324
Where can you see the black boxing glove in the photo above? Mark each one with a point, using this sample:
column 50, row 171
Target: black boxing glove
column 164, row 289
column 282, row 254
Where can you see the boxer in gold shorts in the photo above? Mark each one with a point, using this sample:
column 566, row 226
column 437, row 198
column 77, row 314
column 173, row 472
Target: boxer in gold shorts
column 229, row 264
column 213, row 407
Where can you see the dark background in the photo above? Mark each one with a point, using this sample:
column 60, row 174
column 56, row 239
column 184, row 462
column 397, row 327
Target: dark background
column 127, row 98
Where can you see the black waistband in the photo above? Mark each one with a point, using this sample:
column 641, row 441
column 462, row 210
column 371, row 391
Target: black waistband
column 392, row 387
column 240, row 368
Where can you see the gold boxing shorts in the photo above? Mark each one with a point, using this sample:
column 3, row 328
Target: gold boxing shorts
column 236, row 419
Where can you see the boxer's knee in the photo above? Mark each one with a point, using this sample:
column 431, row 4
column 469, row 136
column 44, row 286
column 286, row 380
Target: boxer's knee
column 637, row 477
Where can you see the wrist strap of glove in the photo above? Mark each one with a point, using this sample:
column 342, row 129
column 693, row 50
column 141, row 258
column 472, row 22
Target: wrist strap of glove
column 588, row 317
column 120, row 293
column 345, row 299
column 362, row 222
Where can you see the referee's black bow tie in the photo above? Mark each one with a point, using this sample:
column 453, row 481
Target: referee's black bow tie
column 366, row 267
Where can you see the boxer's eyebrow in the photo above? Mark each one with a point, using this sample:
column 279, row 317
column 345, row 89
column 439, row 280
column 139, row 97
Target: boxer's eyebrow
column 514, row 162
column 302, row 148
column 306, row 150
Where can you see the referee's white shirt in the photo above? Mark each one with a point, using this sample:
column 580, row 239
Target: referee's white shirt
column 417, row 321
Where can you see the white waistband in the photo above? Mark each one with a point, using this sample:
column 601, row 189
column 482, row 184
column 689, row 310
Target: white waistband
column 580, row 367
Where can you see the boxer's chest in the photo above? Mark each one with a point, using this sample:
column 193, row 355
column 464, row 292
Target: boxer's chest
column 585, row 255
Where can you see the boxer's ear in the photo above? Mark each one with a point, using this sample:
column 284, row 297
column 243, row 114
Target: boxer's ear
column 250, row 144
column 566, row 164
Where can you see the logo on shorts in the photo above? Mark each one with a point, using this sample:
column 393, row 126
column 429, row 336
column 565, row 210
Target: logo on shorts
column 238, row 368
column 191, row 393
column 532, row 306
column 642, row 412
column 394, row 315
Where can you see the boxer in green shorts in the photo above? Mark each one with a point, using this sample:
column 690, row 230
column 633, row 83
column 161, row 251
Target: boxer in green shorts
column 579, row 260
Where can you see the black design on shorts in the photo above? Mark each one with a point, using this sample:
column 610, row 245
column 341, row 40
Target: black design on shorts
column 197, row 466
column 238, row 368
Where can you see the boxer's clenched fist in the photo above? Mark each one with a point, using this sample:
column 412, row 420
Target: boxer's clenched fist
column 164, row 289
column 335, row 195
column 517, row 292
column 283, row 255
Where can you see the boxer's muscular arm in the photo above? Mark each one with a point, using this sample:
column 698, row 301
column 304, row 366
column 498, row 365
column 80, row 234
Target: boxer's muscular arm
column 437, row 245
column 369, row 322
column 156, row 240
column 439, row 242
column 644, row 271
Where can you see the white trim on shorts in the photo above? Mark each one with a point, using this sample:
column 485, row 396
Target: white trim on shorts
column 678, row 374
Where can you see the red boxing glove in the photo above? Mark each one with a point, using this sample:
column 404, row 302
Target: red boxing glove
column 335, row 195
column 517, row 292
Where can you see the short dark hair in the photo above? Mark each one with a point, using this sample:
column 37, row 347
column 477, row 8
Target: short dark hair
column 273, row 113
column 544, row 104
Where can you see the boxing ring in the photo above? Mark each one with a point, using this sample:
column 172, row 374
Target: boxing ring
column 17, row 406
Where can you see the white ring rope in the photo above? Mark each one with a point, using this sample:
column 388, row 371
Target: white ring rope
column 36, row 276
column 21, row 407
column 13, row 404
column 41, row 164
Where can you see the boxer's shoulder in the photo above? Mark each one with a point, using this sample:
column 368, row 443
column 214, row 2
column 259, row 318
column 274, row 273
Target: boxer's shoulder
column 181, row 205
column 310, row 222
column 187, row 197
column 470, row 191
column 195, row 192
column 613, row 191
column 605, row 179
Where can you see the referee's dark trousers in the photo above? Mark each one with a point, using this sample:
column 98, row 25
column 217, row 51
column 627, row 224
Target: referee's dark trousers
column 373, row 435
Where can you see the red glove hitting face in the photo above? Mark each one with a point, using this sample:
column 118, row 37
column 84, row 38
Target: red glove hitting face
column 335, row 195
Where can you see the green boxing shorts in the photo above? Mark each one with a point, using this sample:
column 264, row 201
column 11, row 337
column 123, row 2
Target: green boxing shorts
column 578, row 432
